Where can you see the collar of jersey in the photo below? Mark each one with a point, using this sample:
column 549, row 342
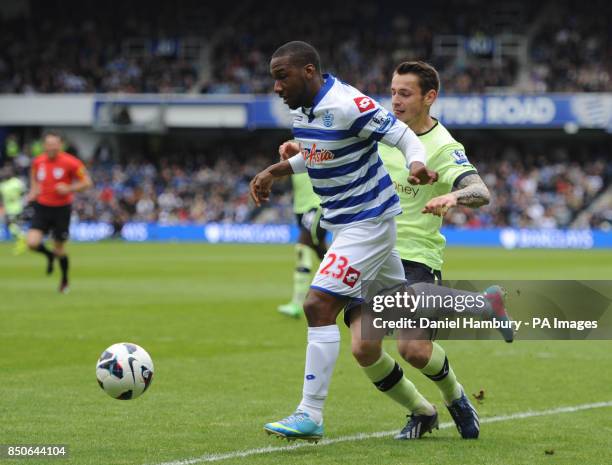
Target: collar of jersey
column 328, row 82
column 431, row 128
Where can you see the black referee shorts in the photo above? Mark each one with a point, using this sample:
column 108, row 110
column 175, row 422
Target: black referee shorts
column 54, row 220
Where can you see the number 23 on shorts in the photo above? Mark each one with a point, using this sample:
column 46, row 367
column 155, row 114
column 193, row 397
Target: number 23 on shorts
column 338, row 267
column 338, row 270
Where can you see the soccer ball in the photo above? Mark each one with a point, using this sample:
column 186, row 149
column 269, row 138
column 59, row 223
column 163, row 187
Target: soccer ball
column 124, row 371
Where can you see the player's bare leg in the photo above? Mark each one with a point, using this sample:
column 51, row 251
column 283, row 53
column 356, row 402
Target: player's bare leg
column 34, row 240
column 321, row 310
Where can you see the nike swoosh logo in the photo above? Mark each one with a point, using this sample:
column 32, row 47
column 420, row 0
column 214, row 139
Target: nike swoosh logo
column 131, row 362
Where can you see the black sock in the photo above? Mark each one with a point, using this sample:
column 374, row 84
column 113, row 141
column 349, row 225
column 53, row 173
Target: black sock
column 43, row 249
column 64, row 266
column 47, row 253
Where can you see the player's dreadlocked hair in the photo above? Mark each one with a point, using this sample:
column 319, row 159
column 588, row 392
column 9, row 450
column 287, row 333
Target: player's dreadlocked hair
column 300, row 53
column 428, row 76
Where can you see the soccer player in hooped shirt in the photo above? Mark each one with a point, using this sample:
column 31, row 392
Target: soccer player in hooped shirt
column 338, row 128
column 55, row 176
column 311, row 245
column 420, row 244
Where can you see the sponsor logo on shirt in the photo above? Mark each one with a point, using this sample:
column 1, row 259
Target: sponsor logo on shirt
column 364, row 103
column 351, row 277
column 403, row 189
column 314, row 156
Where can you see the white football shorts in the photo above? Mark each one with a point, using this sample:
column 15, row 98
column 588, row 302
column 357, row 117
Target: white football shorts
column 361, row 261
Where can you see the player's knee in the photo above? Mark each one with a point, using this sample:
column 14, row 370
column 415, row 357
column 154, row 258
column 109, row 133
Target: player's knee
column 33, row 241
column 366, row 352
column 318, row 311
column 415, row 352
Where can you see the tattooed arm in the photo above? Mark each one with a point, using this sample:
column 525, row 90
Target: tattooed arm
column 471, row 191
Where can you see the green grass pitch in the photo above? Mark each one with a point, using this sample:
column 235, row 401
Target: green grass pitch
column 226, row 362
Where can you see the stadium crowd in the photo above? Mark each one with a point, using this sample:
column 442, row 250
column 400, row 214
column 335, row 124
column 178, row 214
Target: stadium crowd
column 53, row 52
column 542, row 192
column 573, row 52
column 74, row 47
column 529, row 188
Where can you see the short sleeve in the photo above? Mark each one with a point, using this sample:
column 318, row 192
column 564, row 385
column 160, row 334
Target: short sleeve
column 452, row 164
column 78, row 169
column 377, row 123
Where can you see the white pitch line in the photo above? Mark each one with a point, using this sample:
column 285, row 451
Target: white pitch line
column 379, row 434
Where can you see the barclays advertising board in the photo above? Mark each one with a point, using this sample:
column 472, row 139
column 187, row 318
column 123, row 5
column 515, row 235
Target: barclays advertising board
column 216, row 233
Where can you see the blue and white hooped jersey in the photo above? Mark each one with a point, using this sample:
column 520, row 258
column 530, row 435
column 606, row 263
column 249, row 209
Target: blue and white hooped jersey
column 339, row 137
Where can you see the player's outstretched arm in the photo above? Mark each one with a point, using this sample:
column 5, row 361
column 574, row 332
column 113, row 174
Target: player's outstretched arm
column 471, row 191
column 261, row 185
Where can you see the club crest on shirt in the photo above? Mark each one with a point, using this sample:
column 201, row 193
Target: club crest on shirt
column 314, row 156
column 58, row 172
column 328, row 119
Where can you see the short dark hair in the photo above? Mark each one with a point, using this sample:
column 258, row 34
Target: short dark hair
column 52, row 134
column 299, row 53
column 429, row 79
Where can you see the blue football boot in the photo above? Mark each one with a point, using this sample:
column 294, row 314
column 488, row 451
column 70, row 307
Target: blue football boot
column 465, row 416
column 296, row 426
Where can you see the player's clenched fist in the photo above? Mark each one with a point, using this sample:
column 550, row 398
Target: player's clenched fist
column 289, row 149
column 439, row 205
column 419, row 174
column 261, row 186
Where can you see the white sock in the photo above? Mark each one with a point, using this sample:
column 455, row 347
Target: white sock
column 321, row 355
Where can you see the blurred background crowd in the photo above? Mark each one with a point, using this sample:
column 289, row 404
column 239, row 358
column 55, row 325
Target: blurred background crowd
column 479, row 46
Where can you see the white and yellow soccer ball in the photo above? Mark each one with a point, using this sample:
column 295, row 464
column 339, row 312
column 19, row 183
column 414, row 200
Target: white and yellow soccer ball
column 124, row 371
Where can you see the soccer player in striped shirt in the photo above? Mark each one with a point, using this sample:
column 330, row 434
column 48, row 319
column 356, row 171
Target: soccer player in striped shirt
column 337, row 129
